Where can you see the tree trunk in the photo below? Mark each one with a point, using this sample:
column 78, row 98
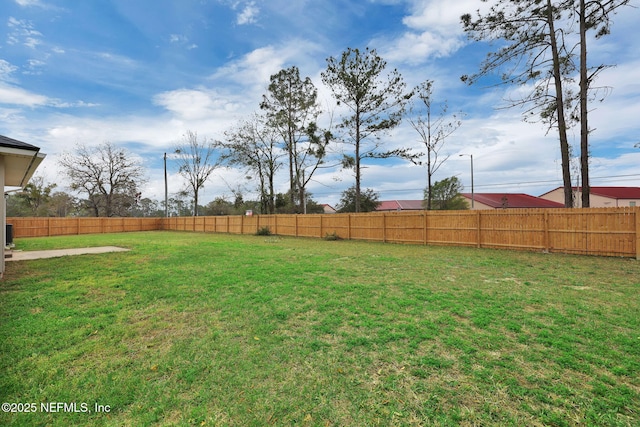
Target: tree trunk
column 272, row 202
column 429, row 150
column 429, row 185
column 357, row 159
column 562, row 126
column 584, row 127
column 292, row 185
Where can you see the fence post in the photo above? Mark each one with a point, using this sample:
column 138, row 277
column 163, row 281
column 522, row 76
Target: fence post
column 546, row 230
column 637, row 212
column 349, row 226
column 384, row 227
column 478, row 229
column 321, row 226
column 426, row 227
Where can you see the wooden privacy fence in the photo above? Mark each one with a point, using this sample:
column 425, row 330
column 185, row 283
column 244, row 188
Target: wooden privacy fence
column 43, row 227
column 593, row 231
column 589, row 231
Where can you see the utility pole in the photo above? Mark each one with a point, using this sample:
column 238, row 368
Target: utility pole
column 166, row 189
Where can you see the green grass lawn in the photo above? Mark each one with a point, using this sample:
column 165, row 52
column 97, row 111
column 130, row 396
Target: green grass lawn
column 208, row 330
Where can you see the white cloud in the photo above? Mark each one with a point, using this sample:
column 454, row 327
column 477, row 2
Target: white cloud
column 442, row 16
column 23, row 32
column 252, row 71
column 249, row 14
column 182, row 40
column 34, row 67
column 177, row 38
column 17, row 96
column 415, row 48
column 197, row 104
column 117, row 60
column 433, row 31
column 6, row 69
column 253, row 68
column 32, row 3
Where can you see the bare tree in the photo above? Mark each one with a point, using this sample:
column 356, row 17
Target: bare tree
column 196, row 162
column 292, row 109
column 108, row 175
column 433, row 131
column 254, row 145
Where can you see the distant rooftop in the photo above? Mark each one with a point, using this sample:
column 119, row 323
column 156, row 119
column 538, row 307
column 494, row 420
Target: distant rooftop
column 615, row 192
column 512, row 200
column 400, row 205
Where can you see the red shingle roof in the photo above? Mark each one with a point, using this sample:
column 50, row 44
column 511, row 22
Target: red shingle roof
column 512, row 200
column 616, row 192
column 611, row 192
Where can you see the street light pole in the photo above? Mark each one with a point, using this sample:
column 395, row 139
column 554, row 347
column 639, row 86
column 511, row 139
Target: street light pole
column 472, row 195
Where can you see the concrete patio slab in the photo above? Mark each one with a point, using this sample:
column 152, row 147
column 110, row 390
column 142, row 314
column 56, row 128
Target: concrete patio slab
column 29, row 255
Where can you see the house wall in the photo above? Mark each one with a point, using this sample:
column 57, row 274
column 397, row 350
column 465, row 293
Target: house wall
column 556, row 195
column 596, row 200
column 606, row 202
column 477, row 205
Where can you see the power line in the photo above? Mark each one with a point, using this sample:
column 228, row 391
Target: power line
column 505, row 184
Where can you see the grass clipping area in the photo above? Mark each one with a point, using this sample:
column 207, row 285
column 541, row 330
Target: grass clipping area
column 220, row 330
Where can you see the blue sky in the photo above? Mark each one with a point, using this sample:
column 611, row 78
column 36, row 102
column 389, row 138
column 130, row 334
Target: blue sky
column 142, row 73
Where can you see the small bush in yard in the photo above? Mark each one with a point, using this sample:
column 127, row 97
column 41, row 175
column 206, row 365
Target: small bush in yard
column 332, row 236
column 263, row 231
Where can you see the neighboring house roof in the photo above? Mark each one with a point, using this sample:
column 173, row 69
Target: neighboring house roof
column 21, row 161
column 610, row 192
column 512, row 200
column 400, row 205
column 328, row 208
column 14, row 143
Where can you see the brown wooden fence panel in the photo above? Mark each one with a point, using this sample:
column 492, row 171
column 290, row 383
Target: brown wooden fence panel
column 234, row 225
column 367, row 227
column 287, row 225
column 309, row 225
column 43, row 227
column 404, row 228
column 222, row 224
column 602, row 231
column 512, row 229
column 269, row 221
column 335, row 224
column 90, row 225
column 458, row 228
column 249, row 224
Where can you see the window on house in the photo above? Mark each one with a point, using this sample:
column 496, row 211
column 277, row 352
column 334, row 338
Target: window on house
column 632, row 203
